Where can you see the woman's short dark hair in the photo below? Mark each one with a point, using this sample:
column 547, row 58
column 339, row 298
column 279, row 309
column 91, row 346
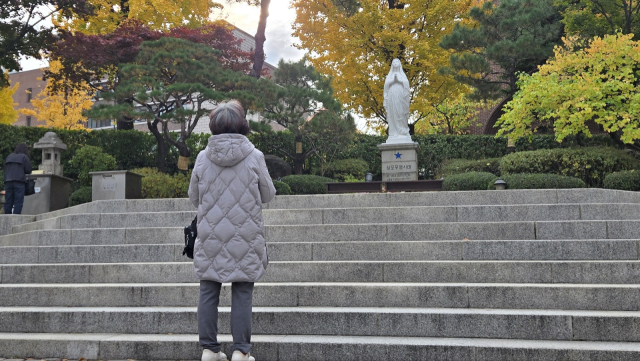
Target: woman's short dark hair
column 22, row 149
column 229, row 117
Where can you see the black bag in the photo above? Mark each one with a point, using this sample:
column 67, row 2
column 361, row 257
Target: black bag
column 30, row 187
column 190, row 234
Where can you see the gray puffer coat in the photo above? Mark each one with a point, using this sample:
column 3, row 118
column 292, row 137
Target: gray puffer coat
column 230, row 181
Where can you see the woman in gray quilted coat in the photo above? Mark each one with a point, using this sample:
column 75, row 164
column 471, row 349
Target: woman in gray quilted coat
column 230, row 181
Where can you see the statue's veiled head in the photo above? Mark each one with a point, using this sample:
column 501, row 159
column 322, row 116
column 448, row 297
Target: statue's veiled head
column 395, row 65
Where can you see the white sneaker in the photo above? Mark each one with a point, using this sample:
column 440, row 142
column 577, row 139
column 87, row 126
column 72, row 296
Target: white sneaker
column 239, row 356
column 208, row 355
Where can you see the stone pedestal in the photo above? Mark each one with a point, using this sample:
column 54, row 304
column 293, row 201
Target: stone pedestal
column 52, row 193
column 117, row 184
column 399, row 161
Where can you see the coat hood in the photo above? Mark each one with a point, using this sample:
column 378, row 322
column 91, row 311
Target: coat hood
column 227, row 150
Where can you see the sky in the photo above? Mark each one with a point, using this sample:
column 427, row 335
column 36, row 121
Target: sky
column 279, row 43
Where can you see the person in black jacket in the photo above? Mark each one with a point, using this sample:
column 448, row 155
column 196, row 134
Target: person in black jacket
column 16, row 167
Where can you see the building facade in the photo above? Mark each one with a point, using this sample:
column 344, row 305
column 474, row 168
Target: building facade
column 30, row 84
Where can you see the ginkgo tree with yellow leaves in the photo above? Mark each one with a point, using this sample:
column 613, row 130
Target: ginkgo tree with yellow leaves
column 60, row 105
column 8, row 113
column 155, row 14
column 355, row 41
column 600, row 83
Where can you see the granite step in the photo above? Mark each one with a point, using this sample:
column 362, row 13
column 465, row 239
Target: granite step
column 105, row 346
column 363, row 215
column 542, row 230
column 413, row 199
column 605, row 297
column 599, row 272
column 621, row 326
column 342, row 251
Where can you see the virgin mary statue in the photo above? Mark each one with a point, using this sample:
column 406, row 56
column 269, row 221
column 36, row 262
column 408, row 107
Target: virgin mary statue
column 396, row 103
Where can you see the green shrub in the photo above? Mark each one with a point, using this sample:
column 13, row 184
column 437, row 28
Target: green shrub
column 1, row 180
column 282, row 188
column 91, row 159
column 82, row 195
column 161, row 185
column 457, row 166
column 307, row 184
column 589, row 164
column 467, row 181
column 626, row 180
column 538, row 181
column 344, row 168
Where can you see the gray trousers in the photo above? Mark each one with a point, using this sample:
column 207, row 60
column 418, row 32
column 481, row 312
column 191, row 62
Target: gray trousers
column 241, row 309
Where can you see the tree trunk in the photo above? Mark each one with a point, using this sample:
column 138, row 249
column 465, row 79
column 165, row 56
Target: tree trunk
column 125, row 124
column 163, row 149
column 298, row 164
column 299, row 157
column 258, row 58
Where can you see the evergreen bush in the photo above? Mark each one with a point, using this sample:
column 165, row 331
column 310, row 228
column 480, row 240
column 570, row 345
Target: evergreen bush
column 307, row 184
column 91, row 159
column 626, row 180
column 470, row 181
column 161, row 185
column 538, row 181
column 82, row 195
column 591, row 164
column 282, row 188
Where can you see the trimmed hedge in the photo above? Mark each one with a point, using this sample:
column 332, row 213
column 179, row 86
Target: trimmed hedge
column 347, row 168
column 307, row 184
column 471, row 181
column 282, row 188
column 457, row 166
column 538, row 181
column 135, row 149
column 626, row 180
column 589, row 164
column 82, row 195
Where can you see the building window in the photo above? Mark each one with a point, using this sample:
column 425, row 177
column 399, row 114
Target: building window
column 29, row 95
column 97, row 124
column 28, row 121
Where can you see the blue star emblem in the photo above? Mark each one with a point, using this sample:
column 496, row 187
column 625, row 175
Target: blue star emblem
column 398, row 155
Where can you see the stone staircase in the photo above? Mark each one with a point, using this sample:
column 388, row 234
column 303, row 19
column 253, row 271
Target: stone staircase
column 488, row 275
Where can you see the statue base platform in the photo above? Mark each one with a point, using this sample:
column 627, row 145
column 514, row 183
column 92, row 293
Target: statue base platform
column 399, row 161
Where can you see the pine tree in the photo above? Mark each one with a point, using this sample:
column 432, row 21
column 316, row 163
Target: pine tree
column 499, row 42
column 303, row 103
column 174, row 81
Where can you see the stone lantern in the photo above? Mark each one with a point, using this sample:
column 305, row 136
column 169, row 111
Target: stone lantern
column 51, row 147
column 52, row 189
